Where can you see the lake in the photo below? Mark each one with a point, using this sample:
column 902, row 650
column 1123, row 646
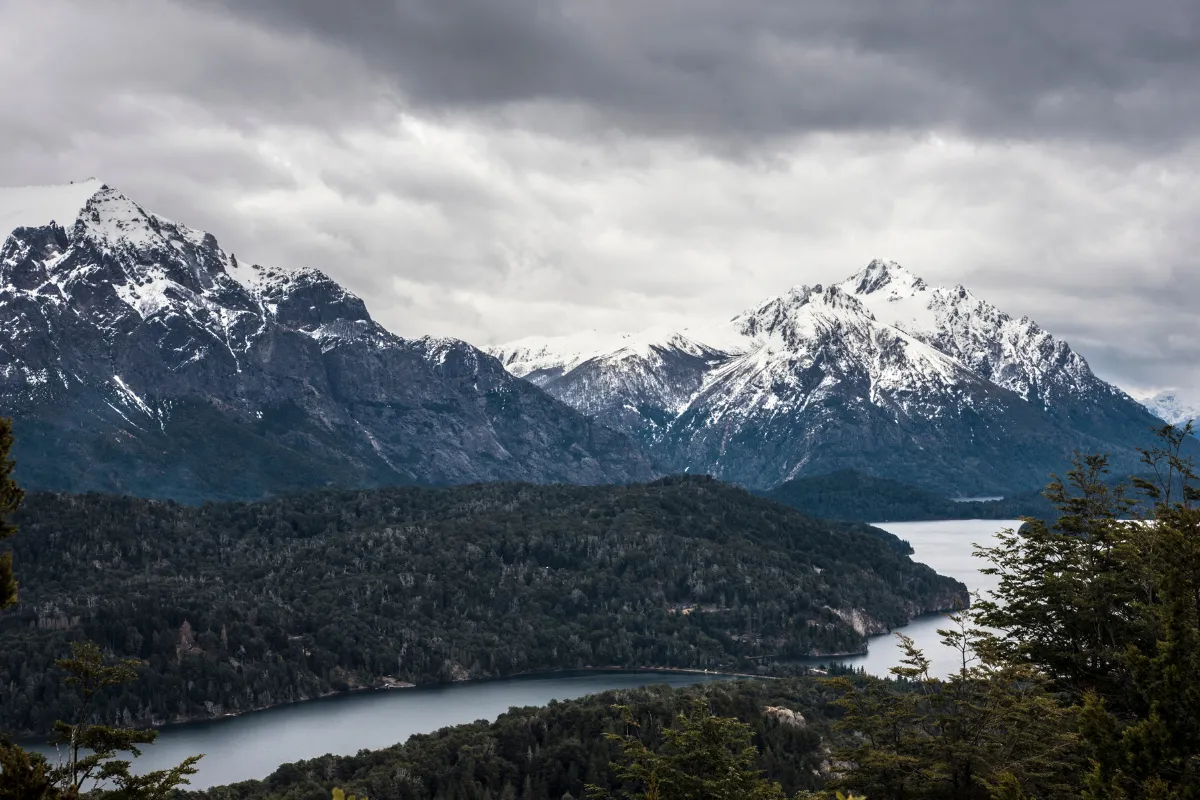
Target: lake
column 947, row 546
column 253, row 745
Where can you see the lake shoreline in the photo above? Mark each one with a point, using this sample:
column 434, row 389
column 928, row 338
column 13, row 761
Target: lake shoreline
column 250, row 744
column 185, row 721
column 389, row 684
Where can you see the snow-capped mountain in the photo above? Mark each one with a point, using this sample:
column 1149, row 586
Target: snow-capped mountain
column 1169, row 406
column 632, row 382
column 881, row 372
column 136, row 355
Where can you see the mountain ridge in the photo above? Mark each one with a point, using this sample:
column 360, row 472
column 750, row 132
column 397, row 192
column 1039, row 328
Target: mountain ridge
column 137, row 356
column 880, row 372
column 1171, row 405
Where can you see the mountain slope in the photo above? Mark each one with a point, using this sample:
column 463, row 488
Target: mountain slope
column 138, row 357
column 881, row 373
column 636, row 383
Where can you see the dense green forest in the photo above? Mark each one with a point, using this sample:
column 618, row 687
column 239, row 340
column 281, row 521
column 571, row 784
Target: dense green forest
column 237, row 606
column 851, row 495
column 554, row 752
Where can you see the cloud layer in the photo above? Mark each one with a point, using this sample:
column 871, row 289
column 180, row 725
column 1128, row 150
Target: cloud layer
column 496, row 169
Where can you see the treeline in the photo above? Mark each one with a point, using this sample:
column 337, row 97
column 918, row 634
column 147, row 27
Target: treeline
column 231, row 607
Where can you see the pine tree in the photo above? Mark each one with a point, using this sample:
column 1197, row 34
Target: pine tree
column 704, row 757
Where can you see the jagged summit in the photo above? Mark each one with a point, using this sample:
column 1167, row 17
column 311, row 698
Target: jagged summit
column 1171, row 405
column 125, row 335
column 880, row 275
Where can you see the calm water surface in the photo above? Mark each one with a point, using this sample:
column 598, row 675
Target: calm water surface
column 252, row 746
column 948, row 547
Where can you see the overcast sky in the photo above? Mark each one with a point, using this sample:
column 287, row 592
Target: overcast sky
column 490, row 169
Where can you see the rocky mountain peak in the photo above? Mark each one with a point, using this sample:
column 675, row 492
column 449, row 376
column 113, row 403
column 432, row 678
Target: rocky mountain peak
column 125, row 335
column 883, row 275
column 881, row 371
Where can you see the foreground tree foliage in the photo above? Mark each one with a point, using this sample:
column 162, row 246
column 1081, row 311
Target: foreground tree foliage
column 702, row 757
column 990, row 729
column 1090, row 687
column 91, row 764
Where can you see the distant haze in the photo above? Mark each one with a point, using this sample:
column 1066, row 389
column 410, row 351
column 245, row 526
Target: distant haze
column 491, row 170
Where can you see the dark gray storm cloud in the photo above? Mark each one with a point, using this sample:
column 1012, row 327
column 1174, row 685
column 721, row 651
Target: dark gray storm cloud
column 1092, row 69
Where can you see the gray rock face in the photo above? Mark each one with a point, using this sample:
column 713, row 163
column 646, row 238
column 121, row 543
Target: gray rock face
column 136, row 356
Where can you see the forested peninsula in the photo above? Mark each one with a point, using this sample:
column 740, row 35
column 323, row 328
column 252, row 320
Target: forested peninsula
column 238, row 606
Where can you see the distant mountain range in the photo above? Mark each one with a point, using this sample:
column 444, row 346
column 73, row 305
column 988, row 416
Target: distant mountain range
column 1172, row 406
column 137, row 356
column 880, row 373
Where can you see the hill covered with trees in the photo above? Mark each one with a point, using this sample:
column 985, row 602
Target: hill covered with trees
column 231, row 607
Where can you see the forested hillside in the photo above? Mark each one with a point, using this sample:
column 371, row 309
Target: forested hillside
column 239, row 606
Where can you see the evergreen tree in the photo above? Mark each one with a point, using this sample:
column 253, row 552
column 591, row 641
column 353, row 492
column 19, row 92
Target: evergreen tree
column 1107, row 603
column 92, row 764
column 1153, row 751
column 705, row 757
column 988, row 730
column 1067, row 592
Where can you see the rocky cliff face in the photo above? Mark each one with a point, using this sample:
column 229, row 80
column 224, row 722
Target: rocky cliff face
column 136, row 356
column 881, row 373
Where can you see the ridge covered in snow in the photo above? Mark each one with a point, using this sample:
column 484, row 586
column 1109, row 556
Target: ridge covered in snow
column 124, row 334
column 38, row 206
column 1169, row 406
column 899, row 360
